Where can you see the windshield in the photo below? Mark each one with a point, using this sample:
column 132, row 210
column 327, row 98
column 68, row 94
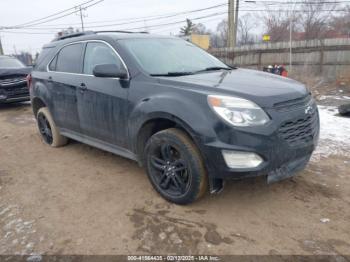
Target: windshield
column 159, row 56
column 9, row 62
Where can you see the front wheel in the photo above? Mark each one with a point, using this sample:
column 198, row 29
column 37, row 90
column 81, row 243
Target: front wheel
column 175, row 166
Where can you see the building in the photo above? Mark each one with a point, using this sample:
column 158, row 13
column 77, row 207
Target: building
column 203, row 41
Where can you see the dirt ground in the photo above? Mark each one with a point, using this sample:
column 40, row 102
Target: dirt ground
column 81, row 200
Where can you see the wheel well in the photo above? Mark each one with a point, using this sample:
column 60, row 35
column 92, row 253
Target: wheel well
column 150, row 128
column 37, row 103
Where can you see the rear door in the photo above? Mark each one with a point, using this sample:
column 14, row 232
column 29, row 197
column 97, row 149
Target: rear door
column 102, row 103
column 64, row 72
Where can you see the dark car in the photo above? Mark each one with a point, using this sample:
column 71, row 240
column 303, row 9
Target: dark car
column 13, row 85
column 188, row 118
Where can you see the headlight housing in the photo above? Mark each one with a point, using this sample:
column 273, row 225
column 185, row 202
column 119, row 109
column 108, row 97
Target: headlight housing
column 238, row 111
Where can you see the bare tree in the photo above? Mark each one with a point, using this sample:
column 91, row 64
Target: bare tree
column 201, row 29
column 341, row 23
column 220, row 38
column 315, row 18
column 277, row 23
column 245, row 25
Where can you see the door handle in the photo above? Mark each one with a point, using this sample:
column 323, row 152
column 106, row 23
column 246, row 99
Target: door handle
column 82, row 87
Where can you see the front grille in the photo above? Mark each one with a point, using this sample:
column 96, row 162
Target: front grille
column 292, row 104
column 301, row 130
column 12, row 81
column 17, row 92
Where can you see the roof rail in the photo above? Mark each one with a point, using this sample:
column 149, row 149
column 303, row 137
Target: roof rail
column 121, row 31
column 58, row 38
column 73, row 35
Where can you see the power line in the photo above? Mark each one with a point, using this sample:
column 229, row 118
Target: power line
column 178, row 22
column 28, row 33
column 182, row 21
column 58, row 13
column 167, row 16
column 299, row 2
column 164, row 17
column 151, row 18
column 157, row 16
column 157, row 31
column 53, row 19
column 137, row 28
column 36, row 22
column 145, row 20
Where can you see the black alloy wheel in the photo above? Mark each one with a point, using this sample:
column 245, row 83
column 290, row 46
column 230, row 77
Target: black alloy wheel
column 170, row 170
column 45, row 128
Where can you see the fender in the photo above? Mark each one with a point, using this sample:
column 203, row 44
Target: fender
column 172, row 107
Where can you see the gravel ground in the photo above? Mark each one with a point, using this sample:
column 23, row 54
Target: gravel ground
column 81, row 200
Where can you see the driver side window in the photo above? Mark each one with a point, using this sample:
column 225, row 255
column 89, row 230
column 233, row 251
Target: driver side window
column 98, row 54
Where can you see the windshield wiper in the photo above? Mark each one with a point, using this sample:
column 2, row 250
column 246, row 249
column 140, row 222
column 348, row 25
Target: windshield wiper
column 214, row 68
column 174, row 74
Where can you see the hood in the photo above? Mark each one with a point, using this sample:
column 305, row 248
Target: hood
column 5, row 72
column 265, row 89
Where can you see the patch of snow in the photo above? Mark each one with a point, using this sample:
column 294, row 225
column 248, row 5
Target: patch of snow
column 34, row 258
column 334, row 133
column 325, row 220
column 334, row 97
column 19, row 237
column 4, row 210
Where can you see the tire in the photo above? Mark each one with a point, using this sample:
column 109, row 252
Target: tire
column 48, row 129
column 175, row 167
column 344, row 110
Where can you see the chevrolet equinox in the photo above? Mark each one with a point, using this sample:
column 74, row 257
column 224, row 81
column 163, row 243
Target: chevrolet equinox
column 189, row 119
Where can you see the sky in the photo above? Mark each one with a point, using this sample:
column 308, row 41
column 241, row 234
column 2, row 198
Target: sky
column 15, row 12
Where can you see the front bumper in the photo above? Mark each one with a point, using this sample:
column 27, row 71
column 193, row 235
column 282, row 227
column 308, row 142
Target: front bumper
column 14, row 93
column 285, row 145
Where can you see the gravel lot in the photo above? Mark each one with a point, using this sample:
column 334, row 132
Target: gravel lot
column 81, row 200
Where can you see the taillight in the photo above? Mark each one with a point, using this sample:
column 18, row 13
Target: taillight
column 29, row 81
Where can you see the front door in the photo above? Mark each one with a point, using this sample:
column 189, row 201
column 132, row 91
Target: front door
column 102, row 102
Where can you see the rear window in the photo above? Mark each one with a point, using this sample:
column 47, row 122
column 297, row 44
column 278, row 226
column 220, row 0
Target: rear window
column 69, row 59
column 40, row 63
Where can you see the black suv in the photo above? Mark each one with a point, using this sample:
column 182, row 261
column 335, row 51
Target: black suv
column 13, row 82
column 191, row 120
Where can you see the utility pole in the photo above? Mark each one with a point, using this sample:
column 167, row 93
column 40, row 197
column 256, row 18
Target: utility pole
column 291, row 38
column 81, row 18
column 145, row 24
column 15, row 49
column 1, row 49
column 233, row 9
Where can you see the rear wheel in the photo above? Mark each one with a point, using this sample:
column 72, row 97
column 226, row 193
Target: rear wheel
column 175, row 166
column 48, row 129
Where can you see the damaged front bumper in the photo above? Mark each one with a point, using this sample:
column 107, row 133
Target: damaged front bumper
column 14, row 93
column 277, row 151
column 288, row 170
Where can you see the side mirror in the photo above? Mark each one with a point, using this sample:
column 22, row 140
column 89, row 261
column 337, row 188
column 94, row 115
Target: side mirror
column 110, row 70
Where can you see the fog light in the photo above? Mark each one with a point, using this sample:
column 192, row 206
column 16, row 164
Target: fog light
column 239, row 159
column 2, row 97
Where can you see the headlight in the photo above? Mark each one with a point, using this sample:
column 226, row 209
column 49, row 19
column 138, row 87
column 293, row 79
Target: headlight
column 238, row 111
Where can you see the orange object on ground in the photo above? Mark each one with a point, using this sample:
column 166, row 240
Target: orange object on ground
column 284, row 73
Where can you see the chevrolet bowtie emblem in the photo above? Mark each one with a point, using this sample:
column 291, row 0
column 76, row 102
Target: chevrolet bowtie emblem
column 308, row 110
